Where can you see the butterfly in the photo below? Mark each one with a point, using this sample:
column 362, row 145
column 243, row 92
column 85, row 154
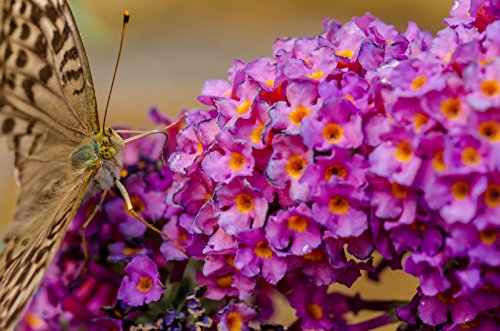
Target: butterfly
column 49, row 115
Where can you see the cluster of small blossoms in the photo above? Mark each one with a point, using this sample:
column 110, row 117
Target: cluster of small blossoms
column 360, row 140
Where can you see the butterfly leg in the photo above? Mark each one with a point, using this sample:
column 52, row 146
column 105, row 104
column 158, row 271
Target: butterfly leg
column 85, row 248
column 131, row 210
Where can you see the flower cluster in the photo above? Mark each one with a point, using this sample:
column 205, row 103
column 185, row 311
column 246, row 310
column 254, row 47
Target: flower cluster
column 360, row 140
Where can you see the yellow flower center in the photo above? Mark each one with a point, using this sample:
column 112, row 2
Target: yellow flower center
column 315, row 256
column 418, row 82
column 145, row 284
column 123, row 173
column 492, row 195
column 230, row 260
column 270, row 82
column 336, row 170
column 295, row 166
column 244, row 202
column 234, row 321
column 129, row 251
column 488, row 236
column 460, row 190
column 316, row 75
column 419, row 120
column 447, row 297
column 438, row 161
column 256, row 134
column 404, row 151
column 298, row 114
column 338, row 205
column 243, row 108
column 347, row 53
column 263, row 250
column 490, row 88
column 399, row 191
column 297, row 223
column 451, row 108
column 470, row 156
column 137, row 203
column 333, row 133
column 471, row 324
column 314, row 310
column 225, row 281
column 489, row 130
column 33, row 320
column 236, row 161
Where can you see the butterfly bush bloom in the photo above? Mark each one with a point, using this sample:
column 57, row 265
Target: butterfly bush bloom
column 298, row 168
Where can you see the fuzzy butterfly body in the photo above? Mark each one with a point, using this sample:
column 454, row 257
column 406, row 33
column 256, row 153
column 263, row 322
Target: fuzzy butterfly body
column 48, row 114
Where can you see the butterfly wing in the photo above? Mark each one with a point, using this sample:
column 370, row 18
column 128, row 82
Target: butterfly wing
column 47, row 108
column 44, row 69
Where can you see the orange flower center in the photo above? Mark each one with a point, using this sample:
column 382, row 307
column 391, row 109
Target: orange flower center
column 403, row 152
column 399, row 191
column 489, row 130
column 492, row 195
column 234, row 321
column 314, row 310
column 295, row 166
column 298, row 114
column 145, row 284
column 236, row 161
column 297, row 223
column 225, row 281
column 451, row 108
column 336, row 170
column 263, row 250
column 243, row 108
column 244, row 202
column 347, row 53
column 418, row 82
column 137, row 204
column 438, row 161
column 470, row 156
column 490, row 88
column 338, row 205
column 256, row 134
column 460, row 190
column 333, row 133
column 419, row 120
column 316, row 75
column 315, row 256
column 488, row 236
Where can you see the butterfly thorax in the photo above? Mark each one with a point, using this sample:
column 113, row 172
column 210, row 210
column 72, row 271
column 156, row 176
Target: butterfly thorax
column 102, row 157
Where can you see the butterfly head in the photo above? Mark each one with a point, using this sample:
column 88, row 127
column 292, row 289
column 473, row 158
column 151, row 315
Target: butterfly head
column 110, row 144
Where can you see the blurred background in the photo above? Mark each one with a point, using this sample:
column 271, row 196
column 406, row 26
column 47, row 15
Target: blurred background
column 173, row 46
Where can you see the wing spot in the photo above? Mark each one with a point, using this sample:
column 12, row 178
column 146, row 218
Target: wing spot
column 22, row 59
column 41, row 46
column 28, row 89
column 51, row 13
column 13, row 26
column 8, row 125
column 45, row 73
column 8, row 52
column 23, row 7
column 36, row 14
column 25, row 31
column 11, row 80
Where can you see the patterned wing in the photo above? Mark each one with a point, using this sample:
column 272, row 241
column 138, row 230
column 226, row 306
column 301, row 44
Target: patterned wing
column 47, row 108
column 45, row 74
column 48, row 203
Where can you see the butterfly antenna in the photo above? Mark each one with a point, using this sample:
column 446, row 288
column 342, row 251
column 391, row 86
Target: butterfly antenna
column 126, row 18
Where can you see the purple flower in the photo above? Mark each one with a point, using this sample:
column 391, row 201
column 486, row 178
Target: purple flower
column 141, row 283
column 293, row 231
column 311, row 304
column 236, row 160
column 236, row 316
column 256, row 256
column 240, row 207
column 336, row 124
